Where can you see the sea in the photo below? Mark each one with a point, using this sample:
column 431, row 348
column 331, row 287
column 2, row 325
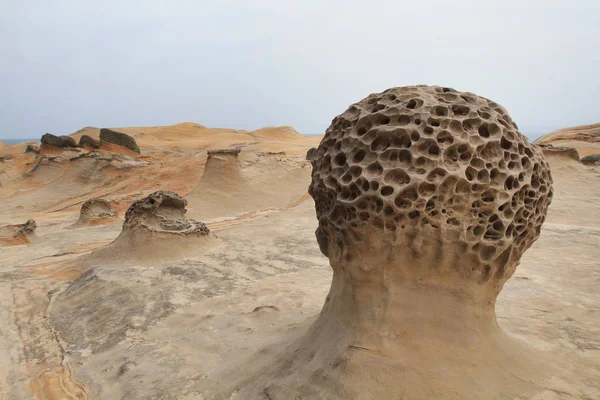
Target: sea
column 15, row 141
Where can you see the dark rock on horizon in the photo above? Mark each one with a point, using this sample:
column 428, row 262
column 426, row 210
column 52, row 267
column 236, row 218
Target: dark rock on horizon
column 118, row 138
column 86, row 140
column 58, row 141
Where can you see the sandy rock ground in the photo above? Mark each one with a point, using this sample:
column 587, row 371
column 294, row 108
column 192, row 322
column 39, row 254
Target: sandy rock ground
column 168, row 329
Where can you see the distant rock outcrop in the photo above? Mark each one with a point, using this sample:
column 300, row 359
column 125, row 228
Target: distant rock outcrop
column 583, row 133
column 89, row 163
column 592, row 159
column 33, row 148
column 58, row 141
column 311, row 154
column 118, row 138
column 584, row 138
column 95, row 211
column 17, row 234
column 559, row 151
column 86, row 140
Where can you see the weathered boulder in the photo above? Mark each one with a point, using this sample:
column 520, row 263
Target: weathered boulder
column 592, row 159
column 311, row 153
column 118, row 138
column 58, row 141
column 86, row 140
column 32, row 148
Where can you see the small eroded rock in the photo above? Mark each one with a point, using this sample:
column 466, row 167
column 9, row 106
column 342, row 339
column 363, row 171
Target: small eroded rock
column 163, row 211
column 155, row 228
column 17, row 234
column 32, row 148
column 95, row 211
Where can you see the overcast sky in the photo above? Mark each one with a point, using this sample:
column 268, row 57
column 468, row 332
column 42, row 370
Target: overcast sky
column 248, row 64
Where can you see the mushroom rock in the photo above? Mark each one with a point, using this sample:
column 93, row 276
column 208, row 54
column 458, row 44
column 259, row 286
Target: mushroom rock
column 227, row 179
column 426, row 199
column 17, row 234
column 155, row 229
column 86, row 140
column 223, row 166
column 58, row 141
column 118, row 138
column 94, row 212
column 311, row 153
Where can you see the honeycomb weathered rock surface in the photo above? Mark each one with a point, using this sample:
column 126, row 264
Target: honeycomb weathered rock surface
column 431, row 170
